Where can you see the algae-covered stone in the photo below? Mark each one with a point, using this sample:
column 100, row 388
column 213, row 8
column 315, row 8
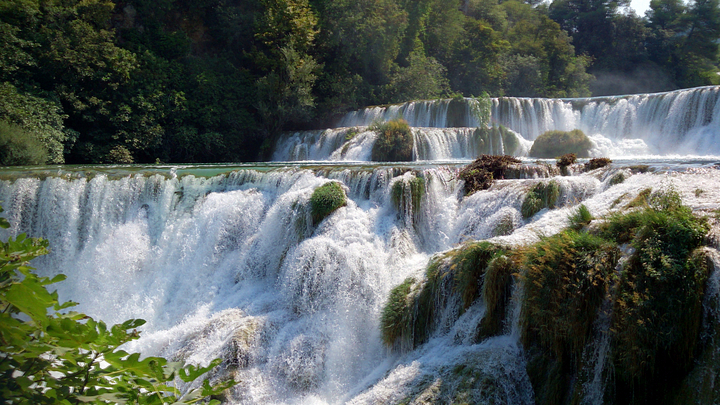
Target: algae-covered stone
column 325, row 200
column 557, row 143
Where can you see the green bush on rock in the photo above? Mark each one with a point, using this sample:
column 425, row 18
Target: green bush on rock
column 325, row 200
column 394, row 142
column 557, row 143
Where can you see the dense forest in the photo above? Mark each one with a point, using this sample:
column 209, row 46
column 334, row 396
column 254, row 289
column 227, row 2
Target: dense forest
column 97, row 81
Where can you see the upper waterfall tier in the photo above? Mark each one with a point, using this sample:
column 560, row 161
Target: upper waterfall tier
column 683, row 121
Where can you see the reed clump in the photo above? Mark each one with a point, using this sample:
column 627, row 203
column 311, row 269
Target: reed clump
column 325, row 200
column 394, row 142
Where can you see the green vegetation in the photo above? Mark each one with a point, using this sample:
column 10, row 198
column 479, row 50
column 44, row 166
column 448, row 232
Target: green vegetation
column 596, row 163
column 325, row 200
column 396, row 322
column 580, row 218
column 52, row 356
column 542, row 195
column 394, row 142
column 408, row 319
column 19, row 147
column 480, row 174
column 566, row 280
column 557, row 143
column 652, row 298
column 217, row 81
column 617, row 178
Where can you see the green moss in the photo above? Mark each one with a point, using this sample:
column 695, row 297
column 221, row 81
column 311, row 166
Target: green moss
column 325, row 200
column 542, row 195
column 480, row 174
column 396, row 322
column 658, row 303
column 394, row 142
column 505, row 226
column 496, row 292
column 557, row 143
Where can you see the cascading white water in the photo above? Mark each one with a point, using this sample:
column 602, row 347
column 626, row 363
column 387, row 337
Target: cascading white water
column 356, row 143
column 682, row 122
column 229, row 267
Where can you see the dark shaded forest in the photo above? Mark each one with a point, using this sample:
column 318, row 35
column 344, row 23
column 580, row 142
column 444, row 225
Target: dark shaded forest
column 145, row 81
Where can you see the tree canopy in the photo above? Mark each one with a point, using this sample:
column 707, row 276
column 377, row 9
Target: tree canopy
column 101, row 81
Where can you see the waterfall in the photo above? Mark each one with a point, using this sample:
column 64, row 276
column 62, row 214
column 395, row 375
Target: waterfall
column 681, row 122
column 229, row 266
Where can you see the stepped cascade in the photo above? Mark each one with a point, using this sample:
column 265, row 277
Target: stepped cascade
column 375, row 300
column 682, row 122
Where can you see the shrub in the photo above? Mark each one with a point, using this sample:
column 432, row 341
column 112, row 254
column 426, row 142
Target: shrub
column 596, row 163
column 557, row 143
column 394, row 142
column 19, row 147
column 325, row 200
column 119, row 155
column 480, row 174
column 541, row 196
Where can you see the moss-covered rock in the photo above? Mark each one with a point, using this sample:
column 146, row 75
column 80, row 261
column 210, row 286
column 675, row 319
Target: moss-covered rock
column 474, row 270
column 394, row 142
column 325, row 200
column 557, row 143
column 407, row 194
column 496, row 139
column 480, row 174
column 542, row 195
